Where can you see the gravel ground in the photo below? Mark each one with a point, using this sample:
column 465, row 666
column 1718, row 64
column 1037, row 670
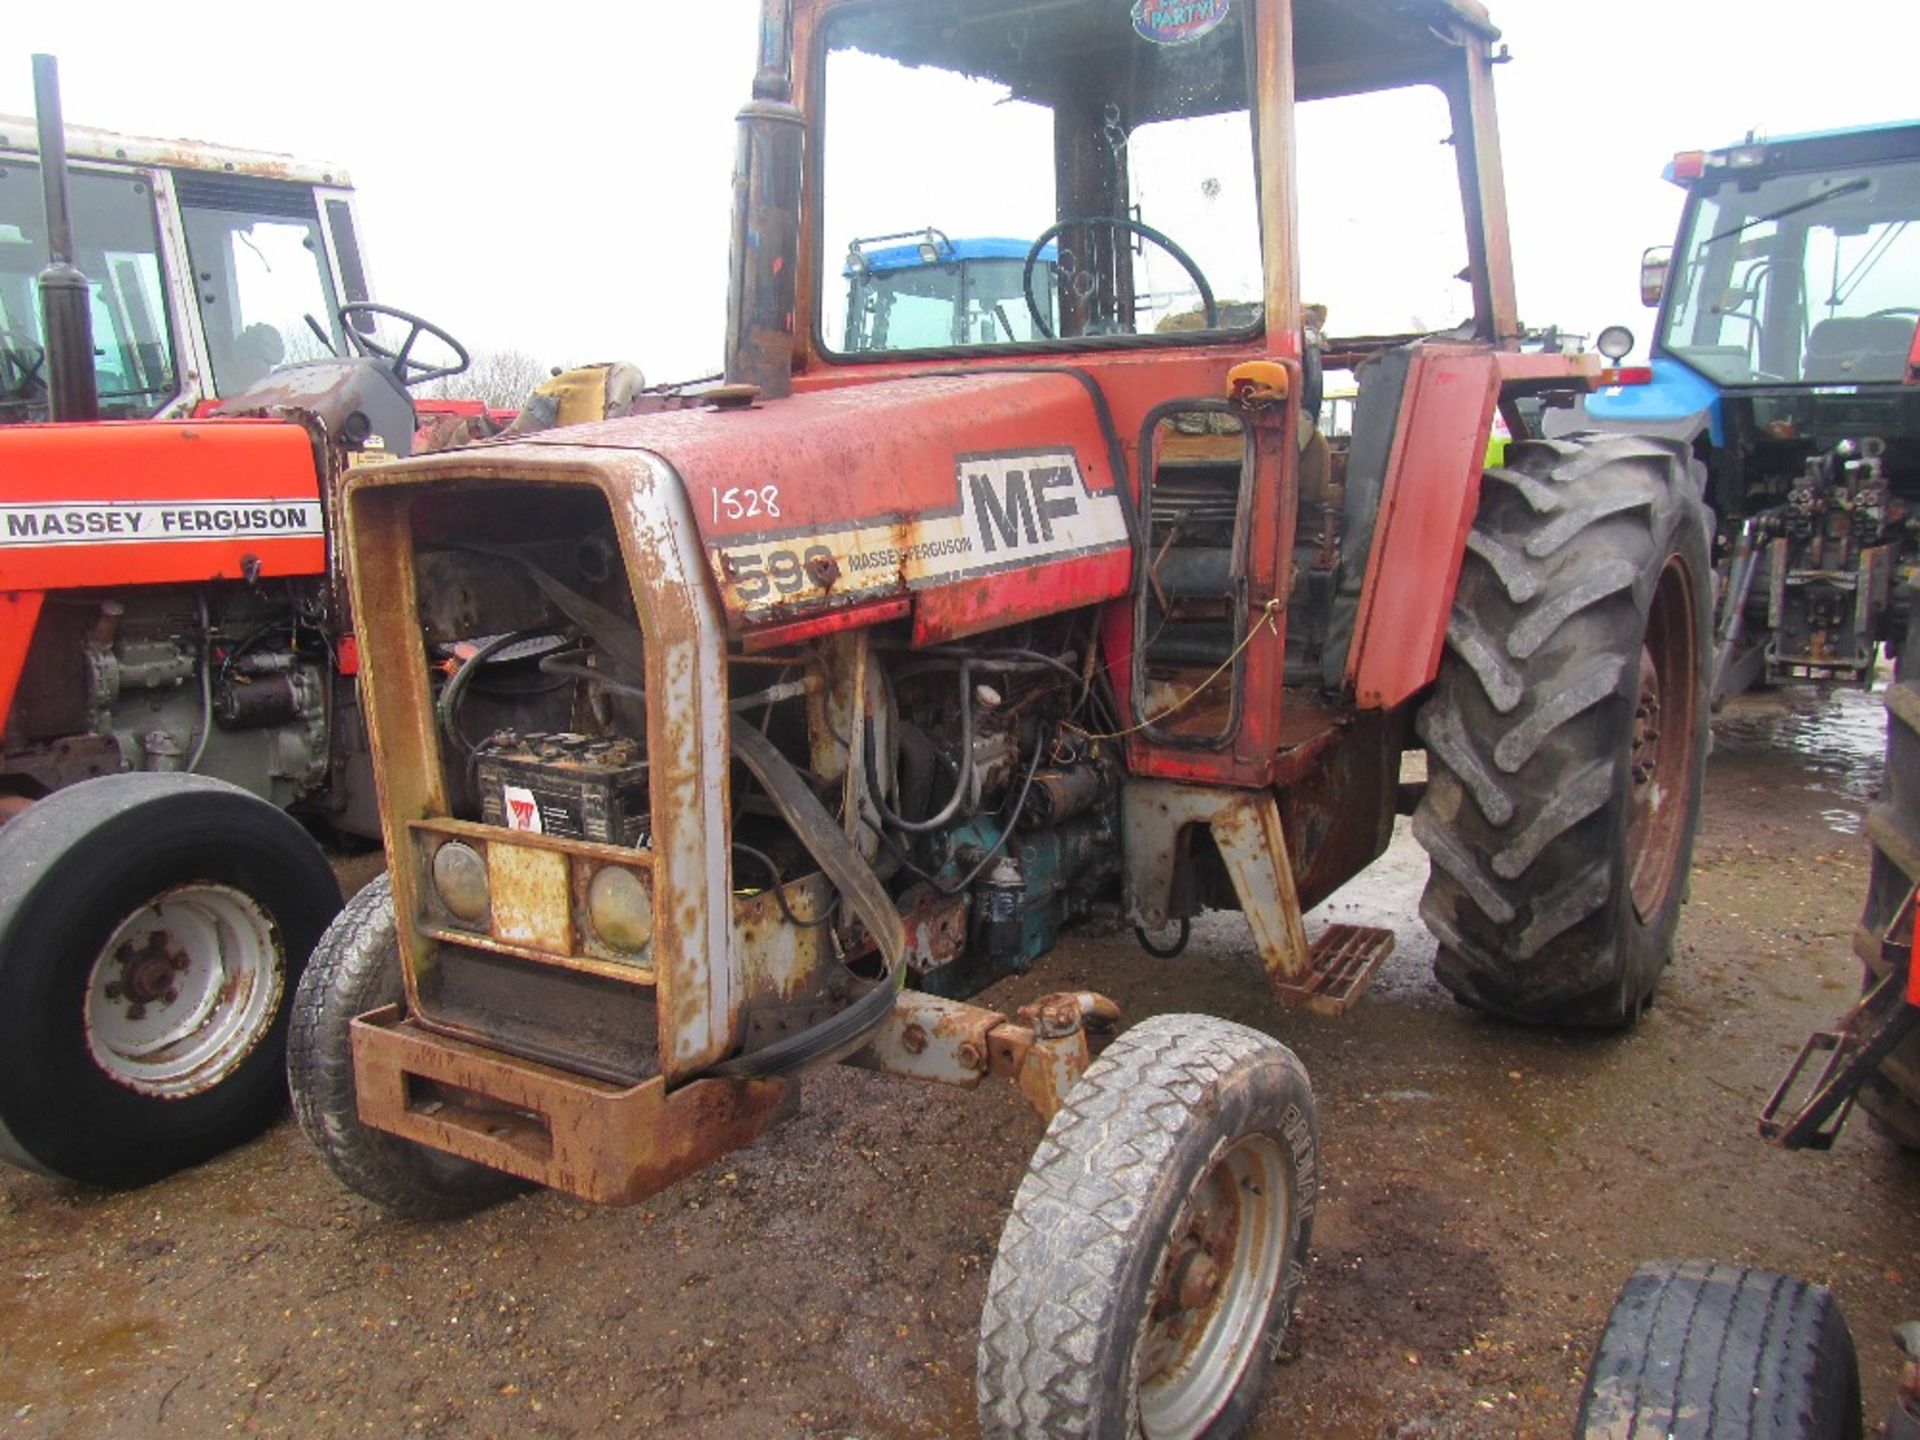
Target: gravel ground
column 1487, row 1188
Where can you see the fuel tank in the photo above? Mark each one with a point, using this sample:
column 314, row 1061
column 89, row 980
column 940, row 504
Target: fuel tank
column 968, row 502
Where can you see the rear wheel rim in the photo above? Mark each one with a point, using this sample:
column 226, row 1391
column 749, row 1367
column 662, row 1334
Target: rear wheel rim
column 1660, row 750
column 184, row 991
column 1207, row 1312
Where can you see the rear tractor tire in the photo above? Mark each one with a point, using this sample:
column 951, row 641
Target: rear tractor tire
column 1567, row 734
column 1156, row 1248
column 355, row 969
column 152, row 930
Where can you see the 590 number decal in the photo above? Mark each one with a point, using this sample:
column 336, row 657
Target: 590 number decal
column 782, row 572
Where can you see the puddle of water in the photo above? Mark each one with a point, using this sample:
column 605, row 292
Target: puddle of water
column 1832, row 744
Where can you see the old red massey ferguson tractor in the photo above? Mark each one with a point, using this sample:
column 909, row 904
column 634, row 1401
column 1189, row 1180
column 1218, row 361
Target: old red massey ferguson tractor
column 176, row 653
column 877, row 668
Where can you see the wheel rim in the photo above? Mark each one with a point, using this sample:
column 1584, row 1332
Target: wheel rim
column 183, row 991
column 1207, row 1311
column 1661, row 748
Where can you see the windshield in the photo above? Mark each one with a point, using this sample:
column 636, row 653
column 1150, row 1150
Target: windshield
column 1112, row 144
column 261, row 270
column 113, row 223
column 1800, row 278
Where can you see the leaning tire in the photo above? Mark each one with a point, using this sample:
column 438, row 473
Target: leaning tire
column 152, row 929
column 1567, row 734
column 1701, row 1351
column 355, row 969
column 1891, row 1095
column 1157, row 1245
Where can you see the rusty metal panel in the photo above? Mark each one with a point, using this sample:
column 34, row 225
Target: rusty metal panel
column 606, row 1143
column 928, row 1038
column 531, row 902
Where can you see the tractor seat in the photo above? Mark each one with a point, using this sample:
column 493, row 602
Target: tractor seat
column 1871, row 347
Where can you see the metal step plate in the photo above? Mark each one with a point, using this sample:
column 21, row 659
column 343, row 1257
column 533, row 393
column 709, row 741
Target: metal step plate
column 1340, row 965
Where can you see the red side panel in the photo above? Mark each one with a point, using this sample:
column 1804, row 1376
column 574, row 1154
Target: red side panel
column 19, row 613
column 1432, row 490
column 151, row 503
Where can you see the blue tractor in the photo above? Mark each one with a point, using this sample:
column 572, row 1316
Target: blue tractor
column 921, row 290
column 1785, row 352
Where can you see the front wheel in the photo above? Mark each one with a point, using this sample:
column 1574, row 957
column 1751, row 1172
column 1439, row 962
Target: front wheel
column 1158, row 1243
column 356, row 969
column 1567, row 734
column 152, row 929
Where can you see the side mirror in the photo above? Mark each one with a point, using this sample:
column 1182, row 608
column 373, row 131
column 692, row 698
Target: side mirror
column 1654, row 266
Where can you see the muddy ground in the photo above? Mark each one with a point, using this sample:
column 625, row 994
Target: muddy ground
column 1487, row 1189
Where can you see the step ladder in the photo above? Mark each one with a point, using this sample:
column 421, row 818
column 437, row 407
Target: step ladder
column 1341, row 963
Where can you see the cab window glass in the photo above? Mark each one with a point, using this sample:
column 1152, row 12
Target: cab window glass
column 1083, row 169
column 119, row 253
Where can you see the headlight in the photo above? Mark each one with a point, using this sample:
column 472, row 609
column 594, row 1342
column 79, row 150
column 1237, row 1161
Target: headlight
column 460, row 880
column 621, row 909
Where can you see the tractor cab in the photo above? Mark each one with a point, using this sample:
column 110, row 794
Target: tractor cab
column 209, row 269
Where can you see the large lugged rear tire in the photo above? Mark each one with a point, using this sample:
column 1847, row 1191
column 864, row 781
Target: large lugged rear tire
column 356, row 968
column 1700, row 1351
column 1891, row 1095
column 1567, row 735
column 152, row 929
column 1158, row 1243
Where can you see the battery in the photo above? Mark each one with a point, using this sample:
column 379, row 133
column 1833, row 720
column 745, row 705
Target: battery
column 576, row 787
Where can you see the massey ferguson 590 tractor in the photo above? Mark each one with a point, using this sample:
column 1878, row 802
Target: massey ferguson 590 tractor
column 871, row 672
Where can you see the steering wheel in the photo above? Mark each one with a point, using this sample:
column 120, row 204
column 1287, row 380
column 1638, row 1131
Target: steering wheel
column 23, row 354
column 406, row 369
column 1117, row 223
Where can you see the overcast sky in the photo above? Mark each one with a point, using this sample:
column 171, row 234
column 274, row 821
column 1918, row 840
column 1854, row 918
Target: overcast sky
column 559, row 181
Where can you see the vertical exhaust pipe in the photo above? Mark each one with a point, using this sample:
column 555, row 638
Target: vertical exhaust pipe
column 767, row 175
column 66, row 304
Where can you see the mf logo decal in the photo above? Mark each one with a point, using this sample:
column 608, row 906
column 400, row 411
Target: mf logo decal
column 1019, row 504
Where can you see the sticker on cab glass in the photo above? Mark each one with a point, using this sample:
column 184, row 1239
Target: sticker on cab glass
column 1177, row 22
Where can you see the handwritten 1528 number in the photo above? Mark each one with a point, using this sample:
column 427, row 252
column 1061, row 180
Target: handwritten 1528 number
column 745, row 502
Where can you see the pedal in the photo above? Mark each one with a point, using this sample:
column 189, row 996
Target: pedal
column 1341, row 963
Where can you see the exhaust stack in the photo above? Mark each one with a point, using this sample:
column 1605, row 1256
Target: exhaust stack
column 766, row 217
column 66, row 304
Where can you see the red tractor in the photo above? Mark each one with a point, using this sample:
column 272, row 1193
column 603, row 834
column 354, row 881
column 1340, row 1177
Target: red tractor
column 869, row 671
column 176, row 654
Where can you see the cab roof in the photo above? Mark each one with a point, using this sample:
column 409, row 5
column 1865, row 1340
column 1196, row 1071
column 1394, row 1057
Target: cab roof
column 20, row 135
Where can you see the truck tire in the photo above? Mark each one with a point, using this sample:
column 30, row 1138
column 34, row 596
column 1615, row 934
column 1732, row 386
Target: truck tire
column 152, row 929
column 1891, row 1096
column 1567, row 733
column 1156, row 1246
column 1702, row 1351
column 354, row 969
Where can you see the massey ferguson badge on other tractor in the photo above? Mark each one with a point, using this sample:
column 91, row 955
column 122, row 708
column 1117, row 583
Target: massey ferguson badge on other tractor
column 870, row 675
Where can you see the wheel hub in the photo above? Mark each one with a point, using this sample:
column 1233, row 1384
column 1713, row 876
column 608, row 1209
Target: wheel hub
column 183, row 991
column 148, row 974
column 1661, row 752
column 1208, row 1306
